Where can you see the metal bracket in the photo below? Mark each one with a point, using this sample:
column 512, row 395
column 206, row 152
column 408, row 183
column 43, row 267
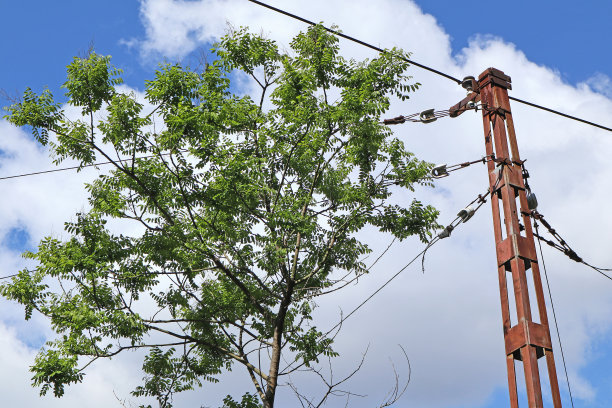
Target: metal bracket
column 464, row 104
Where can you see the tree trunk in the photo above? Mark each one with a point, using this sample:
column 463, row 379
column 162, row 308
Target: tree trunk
column 276, row 347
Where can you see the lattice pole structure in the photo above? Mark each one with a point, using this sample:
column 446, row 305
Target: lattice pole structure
column 526, row 340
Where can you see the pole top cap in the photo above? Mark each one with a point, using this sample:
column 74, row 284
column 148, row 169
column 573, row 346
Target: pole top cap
column 495, row 77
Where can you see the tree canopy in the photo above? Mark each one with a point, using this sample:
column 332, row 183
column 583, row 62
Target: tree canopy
column 248, row 206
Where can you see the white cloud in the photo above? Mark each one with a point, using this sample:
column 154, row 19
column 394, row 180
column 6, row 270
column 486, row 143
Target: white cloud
column 448, row 319
column 600, row 83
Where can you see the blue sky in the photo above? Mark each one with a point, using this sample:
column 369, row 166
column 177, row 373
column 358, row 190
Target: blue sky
column 39, row 38
column 558, row 53
column 572, row 37
column 42, row 37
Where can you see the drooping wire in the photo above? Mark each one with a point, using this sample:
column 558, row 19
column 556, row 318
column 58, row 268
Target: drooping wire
column 352, row 312
column 552, row 306
column 356, row 278
column 52, row 171
column 366, row 300
column 563, row 247
column 435, row 240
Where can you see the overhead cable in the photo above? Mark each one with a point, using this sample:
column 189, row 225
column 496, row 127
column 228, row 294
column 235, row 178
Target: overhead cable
column 552, row 306
column 563, row 247
column 77, row 167
column 426, row 116
column 289, row 368
column 565, row 115
column 425, row 67
column 443, row 170
column 51, row 171
column 463, row 216
column 348, row 37
column 352, row 312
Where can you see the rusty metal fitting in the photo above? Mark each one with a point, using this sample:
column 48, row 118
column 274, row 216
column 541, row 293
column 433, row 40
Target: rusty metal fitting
column 469, row 84
column 395, row 121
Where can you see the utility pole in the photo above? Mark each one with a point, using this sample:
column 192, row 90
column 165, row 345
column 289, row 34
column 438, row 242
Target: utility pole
column 525, row 339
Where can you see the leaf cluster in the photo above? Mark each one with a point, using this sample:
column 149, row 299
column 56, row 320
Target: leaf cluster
column 249, row 206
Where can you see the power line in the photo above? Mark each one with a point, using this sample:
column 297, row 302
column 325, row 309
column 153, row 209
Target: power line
column 563, row 246
column 76, row 167
column 51, row 171
column 552, row 306
column 435, row 240
column 461, row 218
column 565, row 115
column 289, row 369
column 398, row 120
column 425, row 67
column 348, row 37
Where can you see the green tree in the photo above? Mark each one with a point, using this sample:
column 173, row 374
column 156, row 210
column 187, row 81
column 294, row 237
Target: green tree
column 249, row 207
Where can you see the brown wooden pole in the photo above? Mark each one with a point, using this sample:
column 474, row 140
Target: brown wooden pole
column 525, row 340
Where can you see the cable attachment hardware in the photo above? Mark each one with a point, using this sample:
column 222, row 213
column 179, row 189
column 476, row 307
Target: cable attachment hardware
column 572, row 255
column 439, row 171
column 446, row 232
column 466, row 213
column 427, row 116
column 442, row 170
column 532, row 201
column 469, row 84
column 395, row 121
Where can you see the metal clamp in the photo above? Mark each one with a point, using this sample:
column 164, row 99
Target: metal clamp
column 439, row 171
column 427, row 116
column 445, row 233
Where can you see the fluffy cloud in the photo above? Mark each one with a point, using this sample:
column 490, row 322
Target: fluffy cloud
column 448, row 319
